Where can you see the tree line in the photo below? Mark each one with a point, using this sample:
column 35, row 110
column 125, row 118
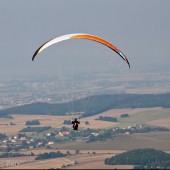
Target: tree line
column 107, row 118
column 9, row 155
column 32, row 122
column 50, row 155
column 100, row 104
column 35, row 129
column 147, row 158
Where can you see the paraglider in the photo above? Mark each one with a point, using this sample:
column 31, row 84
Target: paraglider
column 75, row 124
column 80, row 36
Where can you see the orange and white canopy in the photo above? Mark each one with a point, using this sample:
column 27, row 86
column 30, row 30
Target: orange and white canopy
column 80, row 36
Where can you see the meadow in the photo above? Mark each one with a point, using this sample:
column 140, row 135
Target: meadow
column 92, row 154
column 153, row 116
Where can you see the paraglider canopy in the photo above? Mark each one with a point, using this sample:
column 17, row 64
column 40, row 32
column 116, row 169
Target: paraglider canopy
column 80, row 36
column 76, row 121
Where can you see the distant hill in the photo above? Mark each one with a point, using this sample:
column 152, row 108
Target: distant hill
column 142, row 159
column 95, row 105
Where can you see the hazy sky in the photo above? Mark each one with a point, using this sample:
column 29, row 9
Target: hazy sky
column 139, row 28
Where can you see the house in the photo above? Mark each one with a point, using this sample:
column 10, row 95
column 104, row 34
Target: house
column 141, row 126
column 10, row 138
column 13, row 141
column 64, row 133
column 50, row 143
column 28, row 141
column 127, row 133
column 61, row 134
column 95, row 134
column 133, row 128
column 15, row 137
column 86, row 138
column 39, row 143
column 115, row 128
column 23, row 138
column 48, row 134
column 4, row 141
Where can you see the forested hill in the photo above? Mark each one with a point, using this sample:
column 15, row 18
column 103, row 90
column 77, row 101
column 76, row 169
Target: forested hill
column 143, row 159
column 94, row 104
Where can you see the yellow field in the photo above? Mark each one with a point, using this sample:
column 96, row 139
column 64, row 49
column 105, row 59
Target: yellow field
column 15, row 161
column 164, row 122
column 38, row 151
column 156, row 140
column 43, row 164
column 20, row 120
column 95, row 161
column 57, row 121
column 84, row 160
column 153, row 116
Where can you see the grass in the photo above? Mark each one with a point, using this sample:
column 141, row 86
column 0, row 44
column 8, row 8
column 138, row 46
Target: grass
column 157, row 140
column 37, row 135
column 144, row 117
column 137, row 116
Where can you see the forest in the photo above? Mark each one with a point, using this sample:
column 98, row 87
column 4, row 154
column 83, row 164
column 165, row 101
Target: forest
column 97, row 104
column 142, row 159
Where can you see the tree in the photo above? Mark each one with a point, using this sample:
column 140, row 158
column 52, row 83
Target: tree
column 32, row 154
column 67, row 122
column 64, row 129
column 107, row 118
column 32, row 122
column 148, row 158
column 77, row 151
column 87, row 122
column 125, row 115
column 68, row 153
column 2, row 136
column 50, row 155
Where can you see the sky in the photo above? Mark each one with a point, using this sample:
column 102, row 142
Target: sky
column 139, row 28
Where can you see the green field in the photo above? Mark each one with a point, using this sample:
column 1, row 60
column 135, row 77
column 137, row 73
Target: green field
column 156, row 140
column 121, row 142
column 144, row 117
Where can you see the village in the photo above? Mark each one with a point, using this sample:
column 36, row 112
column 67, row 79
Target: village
column 40, row 137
